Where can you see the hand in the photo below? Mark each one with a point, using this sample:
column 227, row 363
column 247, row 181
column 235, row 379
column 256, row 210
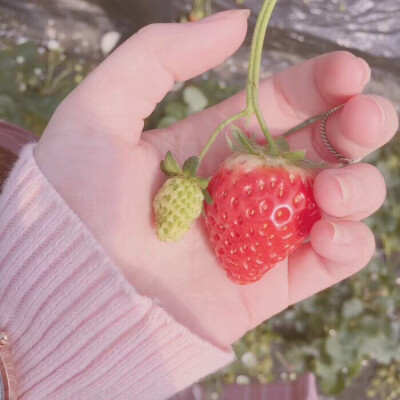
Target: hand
column 95, row 154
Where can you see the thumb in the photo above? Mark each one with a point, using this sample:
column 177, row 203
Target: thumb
column 125, row 88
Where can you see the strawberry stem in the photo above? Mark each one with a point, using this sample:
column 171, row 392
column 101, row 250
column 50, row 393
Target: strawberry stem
column 307, row 122
column 252, row 89
column 220, row 128
column 253, row 81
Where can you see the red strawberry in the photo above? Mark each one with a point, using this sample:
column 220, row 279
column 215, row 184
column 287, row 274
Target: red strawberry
column 263, row 210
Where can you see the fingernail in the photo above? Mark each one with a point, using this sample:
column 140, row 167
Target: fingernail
column 339, row 234
column 379, row 107
column 365, row 74
column 226, row 15
column 343, row 182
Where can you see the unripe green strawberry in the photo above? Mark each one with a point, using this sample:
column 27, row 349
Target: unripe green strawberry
column 180, row 201
column 177, row 205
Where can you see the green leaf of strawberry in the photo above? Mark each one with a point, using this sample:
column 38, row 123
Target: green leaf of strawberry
column 207, row 197
column 243, row 141
column 191, row 166
column 169, row 166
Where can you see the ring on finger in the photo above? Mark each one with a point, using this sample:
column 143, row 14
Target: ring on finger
column 342, row 160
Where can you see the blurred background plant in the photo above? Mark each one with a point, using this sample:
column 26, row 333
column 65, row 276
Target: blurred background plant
column 347, row 334
column 34, row 80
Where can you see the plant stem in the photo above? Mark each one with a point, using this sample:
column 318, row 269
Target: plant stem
column 303, row 124
column 253, row 81
column 218, row 131
column 307, row 122
column 252, row 89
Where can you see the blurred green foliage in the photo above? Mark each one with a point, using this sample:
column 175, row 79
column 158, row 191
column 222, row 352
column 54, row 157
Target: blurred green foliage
column 335, row 334
column 187, row 99
column 33, row 82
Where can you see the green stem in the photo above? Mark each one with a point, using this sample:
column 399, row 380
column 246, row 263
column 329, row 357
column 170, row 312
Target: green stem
column 307, row 122
column 219, row 130
column 252, row 90
column 303, row 124
column 253, row 81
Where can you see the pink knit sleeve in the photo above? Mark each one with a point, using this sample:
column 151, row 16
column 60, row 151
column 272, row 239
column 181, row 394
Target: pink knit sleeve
column 78, row 329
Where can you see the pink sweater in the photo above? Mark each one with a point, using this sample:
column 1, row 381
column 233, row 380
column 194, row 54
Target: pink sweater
column 78, row 329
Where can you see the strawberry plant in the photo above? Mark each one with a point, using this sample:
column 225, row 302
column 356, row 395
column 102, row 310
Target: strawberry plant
column 260, row 204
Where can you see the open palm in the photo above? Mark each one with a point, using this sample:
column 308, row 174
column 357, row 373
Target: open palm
column 95, row 154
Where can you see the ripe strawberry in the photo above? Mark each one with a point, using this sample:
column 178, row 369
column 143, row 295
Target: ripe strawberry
column 263, row 210
column 180, row 201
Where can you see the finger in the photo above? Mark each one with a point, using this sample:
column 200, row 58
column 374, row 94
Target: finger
column 354, row 192
column 308, row 89
column 287, row 99
column 126, row 87
column 313, row 87
column 365, row 123
column 337, row 250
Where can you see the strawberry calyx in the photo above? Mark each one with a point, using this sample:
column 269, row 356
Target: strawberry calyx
column 170, row 167
column 241, row 143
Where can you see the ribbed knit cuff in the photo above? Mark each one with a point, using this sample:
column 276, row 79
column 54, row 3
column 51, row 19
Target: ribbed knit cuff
column 78, row 329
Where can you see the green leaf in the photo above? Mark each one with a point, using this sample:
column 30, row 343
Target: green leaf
column 313, row 164
column 28, row 51
column 352, row 308
column 207, row 197
column 7, row 62
column 163, row 169
column 169, row 166
column 166, row 121
column 283, row 145
column 191, row 166
column 335, row 349
column 369, row 326
column 243, row 140
column 6, row 102
column 230, row 143
column 388, row 304
column 333, row 384
column 176, row 110
column 233, row 146
column 295, row 155
column 195, row 99
column 354, row 369
column 202, row 182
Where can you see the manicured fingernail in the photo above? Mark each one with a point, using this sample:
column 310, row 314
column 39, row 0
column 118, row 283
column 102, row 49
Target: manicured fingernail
column 339, row 234
column 226, row 15
column 365, row 74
